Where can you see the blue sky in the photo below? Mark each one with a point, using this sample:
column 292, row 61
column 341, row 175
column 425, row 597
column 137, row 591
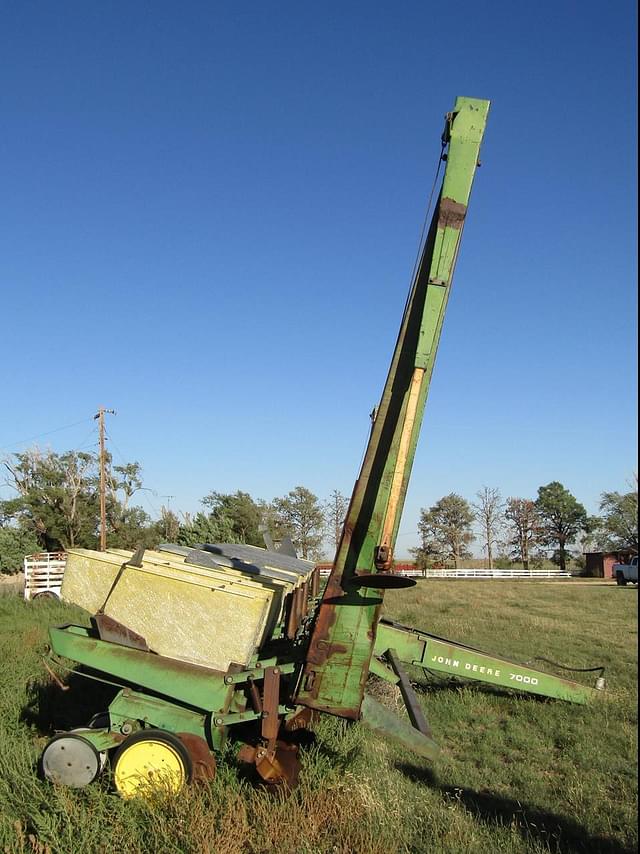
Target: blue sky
column 210, row 214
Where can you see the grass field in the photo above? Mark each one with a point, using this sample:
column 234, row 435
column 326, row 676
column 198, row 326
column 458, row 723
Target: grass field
column 517, row 774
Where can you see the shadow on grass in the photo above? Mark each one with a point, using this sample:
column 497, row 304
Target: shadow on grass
column 49, row 707
column 424, row 687
column 560, row 833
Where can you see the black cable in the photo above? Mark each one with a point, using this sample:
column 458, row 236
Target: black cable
column 564, row 666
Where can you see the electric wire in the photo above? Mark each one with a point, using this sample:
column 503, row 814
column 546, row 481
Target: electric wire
column 416, row 266
column 42, row 435
column 423, row 230
column 85, row 442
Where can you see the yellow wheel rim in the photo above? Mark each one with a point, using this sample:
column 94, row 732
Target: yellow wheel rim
column 148, row 766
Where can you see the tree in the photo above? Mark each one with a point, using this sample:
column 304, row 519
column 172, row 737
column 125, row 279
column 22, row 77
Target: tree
column 127, row 527
column 241, row 512
column 299, row 515
column 168, row 526
column 15, row 543
column 489, row 514
column 204, row 529
column 562, row 519
column 445, row 530
column 523, row 528
column 620, row 521
column 135, row 528
column 335, row 511
column 58, row 501
column 57, row 497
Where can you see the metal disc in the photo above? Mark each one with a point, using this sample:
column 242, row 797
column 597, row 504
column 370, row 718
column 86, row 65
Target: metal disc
column 280, row 767
column 70, row 760
column 102, row 754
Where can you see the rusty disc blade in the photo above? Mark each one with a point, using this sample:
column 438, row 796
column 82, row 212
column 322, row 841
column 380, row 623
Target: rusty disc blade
column 203, row 761
column 280, row 767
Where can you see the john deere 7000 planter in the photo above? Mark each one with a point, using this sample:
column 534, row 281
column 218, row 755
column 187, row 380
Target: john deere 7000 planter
column 229, row 642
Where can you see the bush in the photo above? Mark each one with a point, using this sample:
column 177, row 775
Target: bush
column 14, row 545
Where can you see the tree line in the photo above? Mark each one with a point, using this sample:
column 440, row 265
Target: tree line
column 524, row 530
column 57, row 506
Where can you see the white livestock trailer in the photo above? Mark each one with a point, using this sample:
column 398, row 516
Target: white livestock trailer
column 43, row 574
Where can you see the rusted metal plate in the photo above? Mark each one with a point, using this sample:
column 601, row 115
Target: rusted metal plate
column 112, row 631
column 203, row 761
column 270, row 702
column 451, row 214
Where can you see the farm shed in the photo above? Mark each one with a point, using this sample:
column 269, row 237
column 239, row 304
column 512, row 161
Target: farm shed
column 600, row 564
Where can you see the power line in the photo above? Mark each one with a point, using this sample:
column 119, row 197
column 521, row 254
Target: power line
column 48, row 433
column 85, row 442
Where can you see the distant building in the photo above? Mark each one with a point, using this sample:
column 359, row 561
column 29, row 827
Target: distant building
column 600, row 564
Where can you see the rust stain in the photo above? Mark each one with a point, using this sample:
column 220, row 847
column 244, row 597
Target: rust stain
column 303, row 719
column 452, row 214
column 337, row 711
column 204, row 763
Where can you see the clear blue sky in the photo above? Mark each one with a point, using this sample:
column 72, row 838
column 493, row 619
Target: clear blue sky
column 210, row 212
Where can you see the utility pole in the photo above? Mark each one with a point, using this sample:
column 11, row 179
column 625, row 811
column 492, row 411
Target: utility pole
column 103, row 478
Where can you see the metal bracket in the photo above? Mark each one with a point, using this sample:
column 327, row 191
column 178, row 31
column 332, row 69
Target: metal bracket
column 414, row 710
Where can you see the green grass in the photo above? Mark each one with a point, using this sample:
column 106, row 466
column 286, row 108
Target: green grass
column 517, row 774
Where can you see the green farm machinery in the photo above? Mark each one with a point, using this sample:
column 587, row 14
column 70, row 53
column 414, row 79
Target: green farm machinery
column 226, row 644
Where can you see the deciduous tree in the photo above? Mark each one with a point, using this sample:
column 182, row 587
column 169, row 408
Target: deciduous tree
column 445, row 529
column 57, row 497
column 58, row 501
column 620, row 519
column 335, row 511
column 562, row 519
column 489, row 514
column 299, row 515
column 523, row 524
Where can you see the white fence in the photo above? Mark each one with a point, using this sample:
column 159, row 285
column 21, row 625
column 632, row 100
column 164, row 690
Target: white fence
column 491, row 573
column 475, row 573
column 43, row 574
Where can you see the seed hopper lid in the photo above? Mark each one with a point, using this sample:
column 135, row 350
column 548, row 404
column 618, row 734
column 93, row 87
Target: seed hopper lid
column 251, row 560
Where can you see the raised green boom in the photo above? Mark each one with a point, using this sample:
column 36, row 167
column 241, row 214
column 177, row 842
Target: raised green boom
column 345, row 630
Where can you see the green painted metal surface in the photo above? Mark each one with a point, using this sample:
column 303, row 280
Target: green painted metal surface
column 444, row 656
column 344, row 633
column 383, row 721
column 187, row 683
column 133, row 707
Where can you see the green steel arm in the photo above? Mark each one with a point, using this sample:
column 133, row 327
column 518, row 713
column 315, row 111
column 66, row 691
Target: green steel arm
column 344, row 632
column 433, row 653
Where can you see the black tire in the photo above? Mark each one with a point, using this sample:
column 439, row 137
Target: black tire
column 620, row 579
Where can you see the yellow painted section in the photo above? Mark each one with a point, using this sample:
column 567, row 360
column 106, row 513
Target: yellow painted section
column 149, row 765
column 182, row 611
